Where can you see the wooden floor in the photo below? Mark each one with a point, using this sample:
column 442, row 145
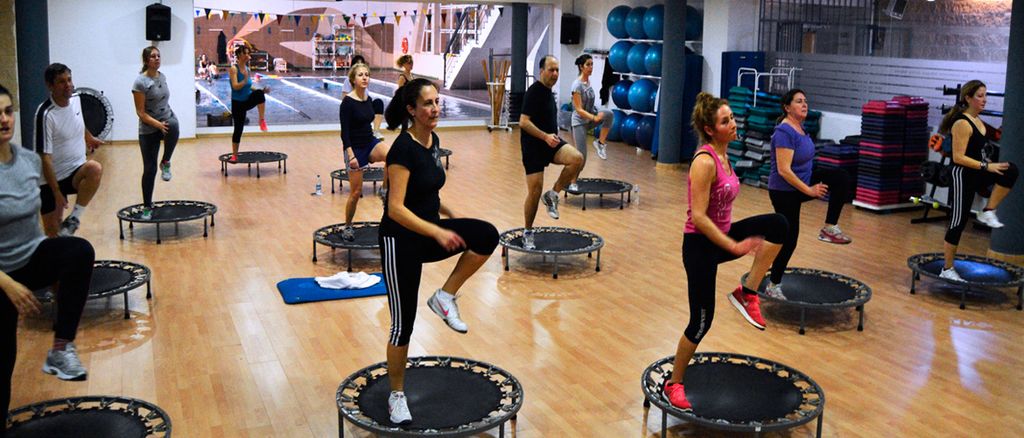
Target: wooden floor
column 224, row 356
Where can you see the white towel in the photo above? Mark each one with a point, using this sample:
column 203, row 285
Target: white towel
column 346, row 280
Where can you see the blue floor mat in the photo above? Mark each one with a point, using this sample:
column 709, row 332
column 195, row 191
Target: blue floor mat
column 306, row 290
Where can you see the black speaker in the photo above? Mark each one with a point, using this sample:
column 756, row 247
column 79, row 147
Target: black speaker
column 571, row 29
column 158, row 22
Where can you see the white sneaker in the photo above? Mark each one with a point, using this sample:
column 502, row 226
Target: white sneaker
column 398, row 407
column 528, row 240
column 573, row 187
column 989, row 218
column 444, row 305
column 602, row 149
column 550, row 199
column 774, row 290
column 950, row 274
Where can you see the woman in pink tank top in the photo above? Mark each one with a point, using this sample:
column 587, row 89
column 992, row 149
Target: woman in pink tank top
column 710, row 237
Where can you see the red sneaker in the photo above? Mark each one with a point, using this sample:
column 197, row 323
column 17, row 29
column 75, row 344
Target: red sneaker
column 832, row 234
column 263, row 125
column 749, row 306
column 233, row 158
column 676, row 396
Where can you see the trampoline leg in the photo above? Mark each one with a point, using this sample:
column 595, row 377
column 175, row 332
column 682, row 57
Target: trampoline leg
column 860, row 323
column 600, row 199
column 212, row 217
column 820, row 418
column 314, row 251
column 1020, row 297
column 341, row 426
column 158, row 233
column 131, row 226
column 350, row 260
column 120, row 227
column 513, row 422
column 332, row 185
column 963, row 297
column 501, row 431
column 584, row 202
column 257, row 170
column 803, row 312
column 555, row 274
column 621, row 202
column 913, row 284
column 505, row 255
column 598, row 268
column 664, row 424
column 206, row 231
column 126, row 305
column 249, row 170
column 149, row 290
column 445, row 163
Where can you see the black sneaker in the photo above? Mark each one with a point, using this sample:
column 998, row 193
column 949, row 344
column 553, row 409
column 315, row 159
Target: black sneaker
column 69, row 226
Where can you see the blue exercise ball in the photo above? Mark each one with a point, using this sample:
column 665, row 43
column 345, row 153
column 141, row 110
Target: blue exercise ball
column 617, row 21
column 615, row 133
column 620, row 93
column 628, row 129
column 635, row 59
column 618, row 56
column 641, row 95
column 652, row 60
column 654, row 22
column 635, row 23
column 645, row 131
column 694, row 24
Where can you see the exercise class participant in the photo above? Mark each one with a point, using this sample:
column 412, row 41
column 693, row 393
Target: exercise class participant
column 244, row 98
column 710, row 237
column 412, row 232
column 541, row 146
column 794, row 180
column 972, row 170
column 404, row 62
column 378, row 104
column 585, row 115
column 360, row 147
column 157, row 123
column 63, row 142
column 28, row 260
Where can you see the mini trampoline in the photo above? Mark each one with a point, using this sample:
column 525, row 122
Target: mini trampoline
column 601, row 187
column 814, row 289
column 115, row 277
column 97, row 113
column 167, row 211
column 978, row 272
column 554, row 242
column 89, row 417
column 365, row 238
column 448, row 397
column 736, row 393
column 444, row 153
column 370, row 174
column 254, row 157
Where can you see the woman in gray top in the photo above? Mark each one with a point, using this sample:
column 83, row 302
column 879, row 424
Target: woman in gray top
column 585, row 115
column 156, row 122
column 28, row 260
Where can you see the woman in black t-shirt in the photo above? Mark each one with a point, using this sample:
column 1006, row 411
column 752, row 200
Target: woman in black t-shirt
column 412, row 232
column 360, row 146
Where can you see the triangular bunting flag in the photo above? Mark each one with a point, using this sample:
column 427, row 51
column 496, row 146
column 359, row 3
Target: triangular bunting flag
column 347, row 19
column 398, row 18
column 262, row 16
column 330, row 20
column 316, row 20
column 279, row 18
column 382, row 18
column 207, row 13
column 406, row 13
column 197, row 12
column 413, row 17
column 363, row 18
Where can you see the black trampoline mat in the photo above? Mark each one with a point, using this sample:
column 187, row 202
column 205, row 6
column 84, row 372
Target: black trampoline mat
column 94, row 113
column 255, row 157
column 91, row 423
column 106, row 279
column 364, row 236
column 439, row 398
column 739, row 393
column 555, row 241
column 442, row 152
column 369, row 174
column 600, row 187
column 816, row 289
column 971, row 271
column 170, row 213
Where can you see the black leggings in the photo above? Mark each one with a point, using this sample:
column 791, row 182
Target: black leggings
column 238, row 110
column 787, row 203
column 402, row 260
column 701, row 258
column 67, row 260
column 963, row 185
column 150, row 145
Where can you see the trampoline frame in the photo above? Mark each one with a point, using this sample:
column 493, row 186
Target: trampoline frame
column 140, row 275
column 915, row 263
column 511, row 398
column 281, row 157
column 861, row 295
column 444, row 153
column 506, row 238
column 320, row 236
column 107, row 107
column 812, row 406
column 342, row 175
column 125, row 214
column 158, row 423
column 625, row 192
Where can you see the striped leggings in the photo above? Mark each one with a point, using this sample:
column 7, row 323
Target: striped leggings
column 964, row 184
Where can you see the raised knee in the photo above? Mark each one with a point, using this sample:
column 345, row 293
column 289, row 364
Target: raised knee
column 94, row 169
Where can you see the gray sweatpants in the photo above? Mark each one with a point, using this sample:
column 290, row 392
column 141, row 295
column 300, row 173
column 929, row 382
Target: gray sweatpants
column 579, row 132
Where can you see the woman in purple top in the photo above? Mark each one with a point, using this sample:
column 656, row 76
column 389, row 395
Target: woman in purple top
column 794, row 180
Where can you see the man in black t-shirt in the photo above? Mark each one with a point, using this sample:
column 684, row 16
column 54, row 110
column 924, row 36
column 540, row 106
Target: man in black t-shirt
column 542, row 146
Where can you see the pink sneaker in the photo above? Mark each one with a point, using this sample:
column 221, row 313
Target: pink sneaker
column 263, row 125
column 832, row 234
column 233, row 158
column 676, row 396
column 749, row 306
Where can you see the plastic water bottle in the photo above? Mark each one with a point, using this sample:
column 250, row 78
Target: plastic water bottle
column 636, row 196
column 319, row 187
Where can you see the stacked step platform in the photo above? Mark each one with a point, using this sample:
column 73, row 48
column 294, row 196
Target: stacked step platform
column 893, row 143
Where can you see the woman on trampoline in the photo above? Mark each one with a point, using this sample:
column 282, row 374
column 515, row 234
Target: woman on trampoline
column 585, row 115
column 972, row 170
column 404, row 62
column 28, row 260
column 244, row 98
column 378, row 104
column 412, row 232
column 157, row 122
column 710, row 237
column 794, row 180
column 359, row 145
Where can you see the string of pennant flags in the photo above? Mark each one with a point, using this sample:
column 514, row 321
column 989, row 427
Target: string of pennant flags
column 350, row 20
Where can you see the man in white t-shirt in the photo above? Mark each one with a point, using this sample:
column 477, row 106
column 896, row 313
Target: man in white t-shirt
column 62, row 141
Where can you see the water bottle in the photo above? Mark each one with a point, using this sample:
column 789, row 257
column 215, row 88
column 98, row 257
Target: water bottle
column 636, row 196
column 319, row 187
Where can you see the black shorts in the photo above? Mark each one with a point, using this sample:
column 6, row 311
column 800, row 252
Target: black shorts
column 66, row 188
column 536, row 158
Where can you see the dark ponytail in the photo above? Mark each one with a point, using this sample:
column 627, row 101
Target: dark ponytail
column 582, row 60
column 788, row 99
column 967, row 90
column 397, row 115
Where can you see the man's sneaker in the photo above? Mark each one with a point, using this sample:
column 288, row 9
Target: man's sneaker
column 69, row 226
column 165, row 170
column 348, row 233
column 749, row 306
column 528, row 240
column 989, row 218
column 398, row 408
column 147, row 214
column 573, row 187
column 832, row 234
column 263, row 125
column 550, row 199
column 65, row 364
column 602, row 149
column 950, row 274
column 444, row 305
column 774, row 290
column 676, row 396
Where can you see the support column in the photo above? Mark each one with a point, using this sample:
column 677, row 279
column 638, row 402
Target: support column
column 1009, row 240
column 32, row 30
column 520, row 31
column 673, row 64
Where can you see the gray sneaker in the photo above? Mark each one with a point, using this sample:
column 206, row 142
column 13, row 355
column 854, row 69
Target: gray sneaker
column 774, row 290
column 528, row 240
column 69, row 226
column 602, row 149
column 573, row 188
column 348, row 234
column 550, row 199
column 165, row 170
column 65, row 364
